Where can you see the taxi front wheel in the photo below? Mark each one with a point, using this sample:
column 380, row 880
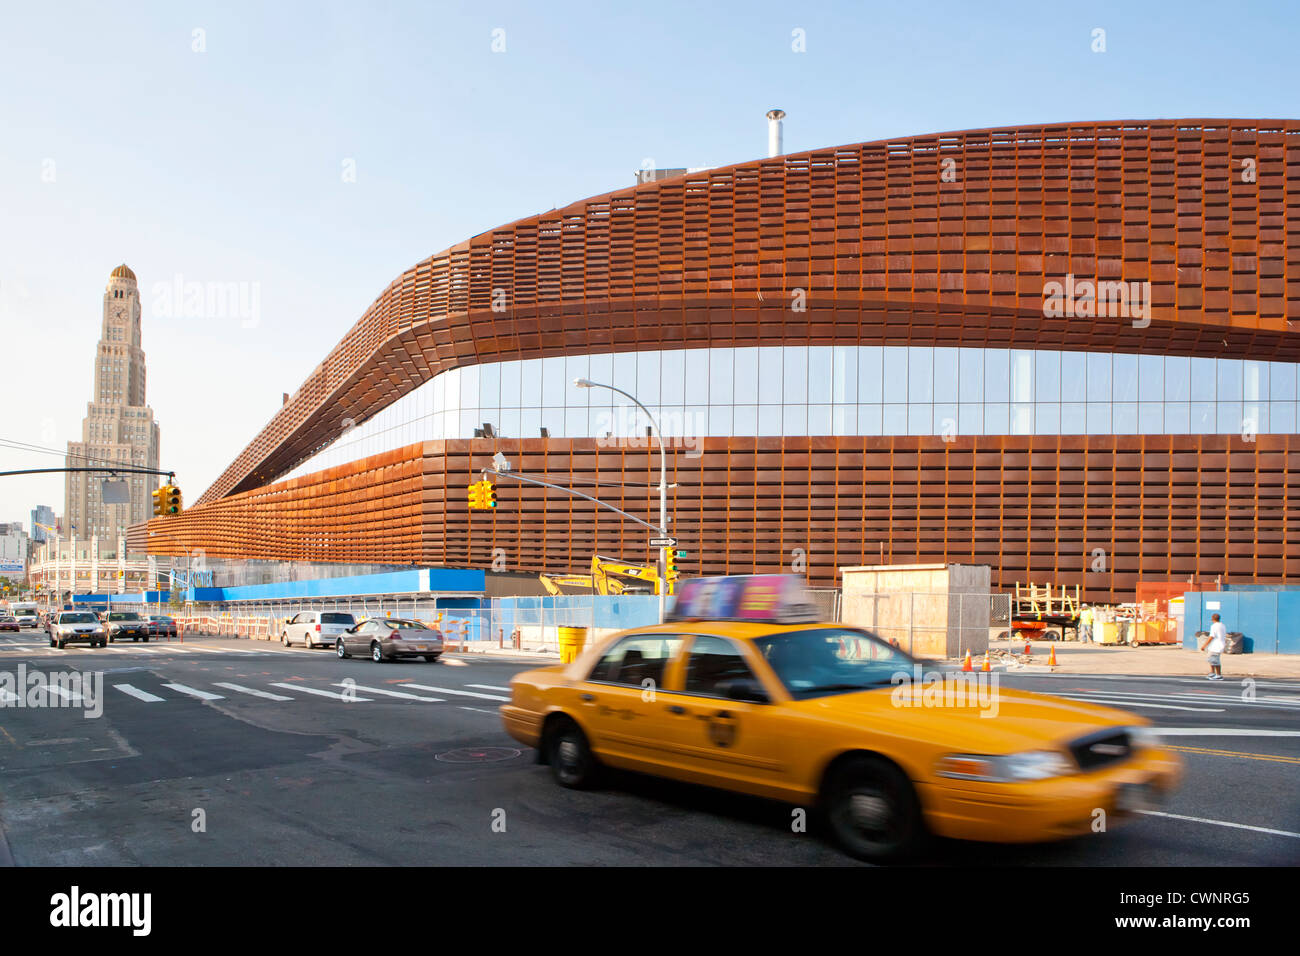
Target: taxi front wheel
column 873, row 811
column 572, row 763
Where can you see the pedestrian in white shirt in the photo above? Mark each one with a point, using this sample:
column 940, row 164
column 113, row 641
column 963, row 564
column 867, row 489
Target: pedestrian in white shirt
column 1215, row 645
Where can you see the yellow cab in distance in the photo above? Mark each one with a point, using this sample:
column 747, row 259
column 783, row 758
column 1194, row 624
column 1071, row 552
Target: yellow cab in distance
column 743, row 689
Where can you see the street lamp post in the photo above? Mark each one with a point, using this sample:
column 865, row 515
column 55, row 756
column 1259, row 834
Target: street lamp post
column 663, row 487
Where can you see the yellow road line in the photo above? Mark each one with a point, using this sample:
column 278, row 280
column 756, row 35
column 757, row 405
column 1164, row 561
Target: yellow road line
column 1236, row 753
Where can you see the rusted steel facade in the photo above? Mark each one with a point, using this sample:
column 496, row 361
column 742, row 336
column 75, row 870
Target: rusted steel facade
column 946, row 239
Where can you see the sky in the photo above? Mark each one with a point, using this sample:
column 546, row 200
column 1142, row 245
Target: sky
column 308, row 153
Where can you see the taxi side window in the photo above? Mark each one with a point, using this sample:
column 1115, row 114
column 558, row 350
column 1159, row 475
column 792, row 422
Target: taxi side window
column 634, row 660
column 713, row 664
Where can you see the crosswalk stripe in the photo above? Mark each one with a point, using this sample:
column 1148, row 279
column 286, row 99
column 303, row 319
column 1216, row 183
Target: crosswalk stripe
column 64, row 693
column 250, row 690
column 322, row 693
column 391, row 693
column 1124, row 702
column 487, row 687
column 200, row 694
column 138, row 694
column 462, row 693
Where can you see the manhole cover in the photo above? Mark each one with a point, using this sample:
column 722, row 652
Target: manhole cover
column 478, row 754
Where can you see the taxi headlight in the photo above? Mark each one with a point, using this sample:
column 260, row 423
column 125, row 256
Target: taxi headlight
column 1006, row 768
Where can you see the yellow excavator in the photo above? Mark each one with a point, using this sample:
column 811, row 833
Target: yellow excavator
column 608, row 576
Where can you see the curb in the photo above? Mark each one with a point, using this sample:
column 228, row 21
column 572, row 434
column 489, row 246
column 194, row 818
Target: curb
column 6, row 858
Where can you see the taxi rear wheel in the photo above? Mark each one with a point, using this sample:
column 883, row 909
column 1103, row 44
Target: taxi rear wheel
column 873, row 810
column 572, row 763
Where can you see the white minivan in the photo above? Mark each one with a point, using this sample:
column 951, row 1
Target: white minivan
column 313, row 628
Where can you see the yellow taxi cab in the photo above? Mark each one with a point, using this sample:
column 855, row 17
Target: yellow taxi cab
column 743, row 689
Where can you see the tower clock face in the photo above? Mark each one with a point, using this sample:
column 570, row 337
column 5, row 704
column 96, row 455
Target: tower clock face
column 119, row 313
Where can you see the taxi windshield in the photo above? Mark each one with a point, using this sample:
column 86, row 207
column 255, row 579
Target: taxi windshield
column 832, row 660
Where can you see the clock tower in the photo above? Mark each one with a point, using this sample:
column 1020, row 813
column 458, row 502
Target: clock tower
column 119, row 426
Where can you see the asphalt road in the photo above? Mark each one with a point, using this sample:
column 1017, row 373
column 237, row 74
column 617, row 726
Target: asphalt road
column 226, row 752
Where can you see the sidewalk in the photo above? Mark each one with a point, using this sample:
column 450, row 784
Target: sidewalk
column 1163, row 660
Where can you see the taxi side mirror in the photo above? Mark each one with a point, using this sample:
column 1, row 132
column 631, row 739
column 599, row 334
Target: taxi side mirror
column 746, row 689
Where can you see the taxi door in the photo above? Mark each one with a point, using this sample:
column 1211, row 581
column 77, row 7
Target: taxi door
column 741, row 744
column 616, row 704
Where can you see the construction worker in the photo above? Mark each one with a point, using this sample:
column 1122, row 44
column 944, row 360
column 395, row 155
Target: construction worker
column 1085, row 625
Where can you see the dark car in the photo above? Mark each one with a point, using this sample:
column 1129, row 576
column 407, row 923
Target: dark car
column 126, row 625
column 160, row 625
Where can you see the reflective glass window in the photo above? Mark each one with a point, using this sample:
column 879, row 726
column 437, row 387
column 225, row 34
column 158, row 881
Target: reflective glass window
column 795, row 363
column 970, row 419
column 871, row 420
column 1047, row 377
column 794, row 420
column 894, row 374
column 997, row 377
column 672, row 377
column 920, row 419
column 1151, row 418
column 745, row 420
column 530, row 383
column 1282, row 418
column 647, row 379
column 720, row 371
column 1047, row 418
column 971, row 375
column 530, row 421
column 1229, row 380
column 920, row 374
column 1254, row 381
column 770, row 377
column 575, row 423
column 1099, row 418
column 819, row 420
column 1281, row 382
column 1202, row 418
column 1124, row 387
column 769, row 419
column 844, row 376
column 451, row 388
column 895, row 419
column 602, row 370
column 871, row 376
column 844, row 419
column 1151, row 378
column 1254, row 418
column 625, row 370
column 1022, row 376
column 1178, row 378
column 510, row 423
column 1074, row 418
column 1074, row 377
column 695, row 424
column 746, row 378
column 697, row 377
column 1204, row 380
column 1229, row 418
column 997, row 418
column 1022, row 418
column 1177, row 421
column 1099, row 383
column 819, row 375
column 945, row 375
column 575, row 367
column 1124, row 418
column 720, row 422
column 946, row 419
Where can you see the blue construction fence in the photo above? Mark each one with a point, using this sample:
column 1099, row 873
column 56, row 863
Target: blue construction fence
column 1268, row 617
column 612, row 612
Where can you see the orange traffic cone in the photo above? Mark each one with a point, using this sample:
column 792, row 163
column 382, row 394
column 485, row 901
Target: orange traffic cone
column 966, row 667
column 1051, row 657
column 986, row 666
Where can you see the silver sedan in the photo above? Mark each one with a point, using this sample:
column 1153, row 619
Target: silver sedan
column 391, row 638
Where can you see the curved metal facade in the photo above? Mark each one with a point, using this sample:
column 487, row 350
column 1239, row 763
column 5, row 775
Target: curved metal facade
column 946, row 240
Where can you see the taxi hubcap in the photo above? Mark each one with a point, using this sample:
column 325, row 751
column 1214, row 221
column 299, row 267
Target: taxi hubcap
column 869, row 811
column 568, row 754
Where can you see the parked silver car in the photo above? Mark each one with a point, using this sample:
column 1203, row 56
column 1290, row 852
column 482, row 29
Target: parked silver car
column 390, row 638
column 315, row 628
column 77, row 627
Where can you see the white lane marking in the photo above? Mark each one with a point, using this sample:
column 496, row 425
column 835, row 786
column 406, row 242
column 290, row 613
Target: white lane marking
column 1221, row 823
column 1207, row 698
column 487, row 687
column 200, row 694
column 64, row 693
column 462, row 693
column 249, row 690
column 1126, row 702
column 1221, row 732
column 453, row 662
column 322, row 693
column 390, row 693
column 478, row 710
column 138, row 694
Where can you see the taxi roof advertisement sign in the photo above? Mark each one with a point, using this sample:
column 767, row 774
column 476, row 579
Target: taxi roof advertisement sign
column 741, row 597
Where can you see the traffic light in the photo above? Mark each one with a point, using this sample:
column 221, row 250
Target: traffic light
column 172, row 500
column 158, row 501
column 482, row 496
column 671, row 564
column 475, row 496
column 489, row 495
